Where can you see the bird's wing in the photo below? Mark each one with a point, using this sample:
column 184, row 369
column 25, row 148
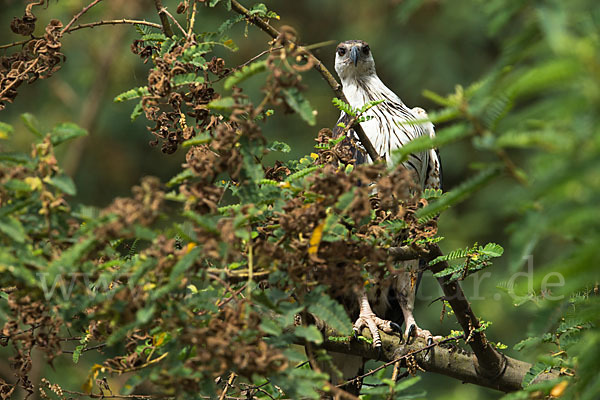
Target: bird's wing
column 433, row 174
column 434, row 167
column 434, row 170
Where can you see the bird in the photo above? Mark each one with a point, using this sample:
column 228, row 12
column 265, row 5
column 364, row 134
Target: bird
column 389, row 125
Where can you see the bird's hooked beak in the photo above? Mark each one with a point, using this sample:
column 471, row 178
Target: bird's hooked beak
column 354, row 53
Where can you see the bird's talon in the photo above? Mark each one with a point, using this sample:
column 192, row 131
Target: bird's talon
column 412, row 330
column 395, row 327
column 429, row 343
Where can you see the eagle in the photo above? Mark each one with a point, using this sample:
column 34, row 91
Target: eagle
column 389, row 126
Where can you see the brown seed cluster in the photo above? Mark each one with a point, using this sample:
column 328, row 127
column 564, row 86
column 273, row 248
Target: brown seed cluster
column 39, row 58
column 221, row 347
column 143, row 208
column 32, row 324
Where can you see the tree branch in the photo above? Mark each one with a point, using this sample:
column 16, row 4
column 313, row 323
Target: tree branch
column 490, row 362
column 318, row 65
column 442, row 359
column 89, row 25
column 78, row 15
column 164, row 19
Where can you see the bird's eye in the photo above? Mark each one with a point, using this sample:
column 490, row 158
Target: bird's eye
column 341, row 51
column 366, row 49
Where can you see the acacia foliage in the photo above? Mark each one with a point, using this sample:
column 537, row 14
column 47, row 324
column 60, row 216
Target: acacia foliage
column 191, row 280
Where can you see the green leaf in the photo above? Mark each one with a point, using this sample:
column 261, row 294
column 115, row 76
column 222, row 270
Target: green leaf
column 225, row 26
column 64, row 183
column 184, row 263
column 222, row 104
column 279, row 146
column 137, row 111
column 6, row 130
column 144, row 315
column 79, row 349
column 259, row 9
column 154, row 37
column 134, row 93
column 423, row 143
column 17, row 185
column 66, row 131
column 32, row 124
column 77, row 353
column 12, row 227
column 245, row 73
column 302, row 173
column 535, row 371
column 186, row 79
column 529, row 342
column 296, row 100
column 436, row 98
column 181, row 177
column 458, row 194
column 167, row 45
column 17, row 158
column 492, row 250
column 270, row 327
column 202, row 138
column 310, row 333
column 344, row 107
column 329, row 311
column 70, row 258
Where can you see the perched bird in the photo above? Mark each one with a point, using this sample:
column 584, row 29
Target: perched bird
column 391, row 125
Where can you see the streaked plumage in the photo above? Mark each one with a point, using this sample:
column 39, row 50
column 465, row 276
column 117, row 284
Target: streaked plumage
column 391, row 126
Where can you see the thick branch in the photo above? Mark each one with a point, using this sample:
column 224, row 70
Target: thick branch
column 490, row 362
column 444, row 359
column 164, row 19
column 318, row 65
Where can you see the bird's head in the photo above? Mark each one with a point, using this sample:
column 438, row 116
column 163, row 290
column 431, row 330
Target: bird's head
column 353, row 59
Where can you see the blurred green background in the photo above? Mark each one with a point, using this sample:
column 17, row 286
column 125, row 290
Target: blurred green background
column 417, row 45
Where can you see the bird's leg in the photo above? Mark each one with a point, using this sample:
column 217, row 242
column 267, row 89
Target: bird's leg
column 367, row 318
column 407, row 290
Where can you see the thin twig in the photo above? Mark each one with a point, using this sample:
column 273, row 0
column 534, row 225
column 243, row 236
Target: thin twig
column 317, row 64
column 225, row 301
column 89, row 25
column 192, row 20
column 78, row 15
column 222, row 282
column 403, row 357
column 99, row 346
column 116, row 22
column 256, row 57
column 395, row 374
column 115, row 396
column 164, row 10
column 6, row 46
column 228, row 385
column 20, row 77
column 250, row 269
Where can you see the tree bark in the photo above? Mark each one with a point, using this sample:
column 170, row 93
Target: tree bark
column 445, row 359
